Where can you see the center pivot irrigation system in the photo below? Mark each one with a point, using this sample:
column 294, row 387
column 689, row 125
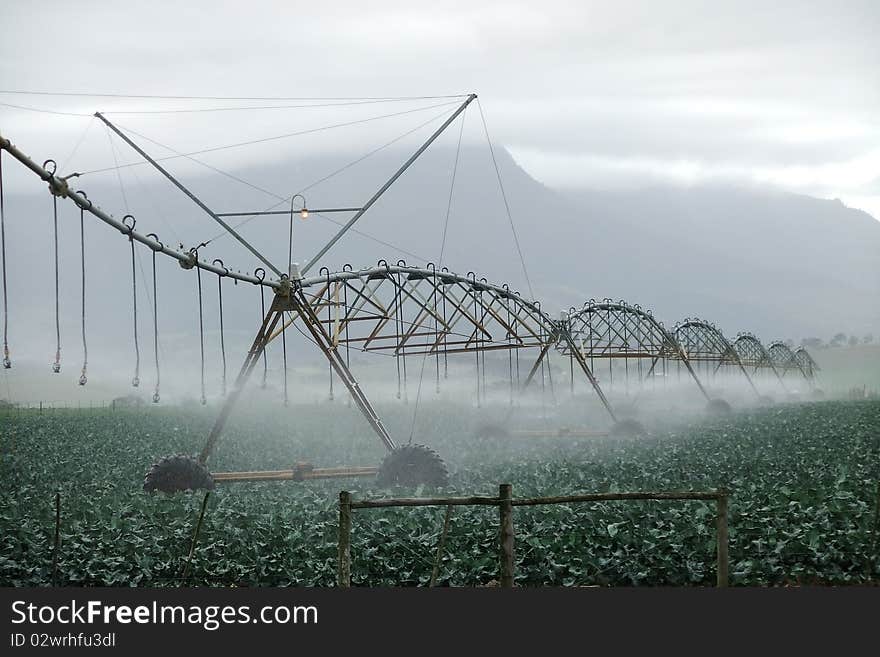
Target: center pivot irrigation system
column 407, row 311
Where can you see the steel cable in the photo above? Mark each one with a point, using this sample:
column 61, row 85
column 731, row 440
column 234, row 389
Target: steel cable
column 25, row 92
column 262, row 140
column 82, row 248
column 155, row 331
column 222, row 339
column 136, row 379
column 266, row 347
column 56, row 366
column 506, row 204
column 7, row 362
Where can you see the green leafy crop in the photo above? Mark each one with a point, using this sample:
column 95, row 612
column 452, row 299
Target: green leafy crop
column 803, row 480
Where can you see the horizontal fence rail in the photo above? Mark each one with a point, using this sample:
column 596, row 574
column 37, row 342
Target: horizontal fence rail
column 505, row 503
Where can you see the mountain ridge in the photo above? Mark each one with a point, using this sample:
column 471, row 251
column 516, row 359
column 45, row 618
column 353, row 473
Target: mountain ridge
column 758, row 259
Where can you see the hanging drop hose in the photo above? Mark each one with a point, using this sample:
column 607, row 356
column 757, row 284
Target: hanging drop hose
column 472, row 276
column 329, row 324
column 347, row 341
column 7, row 362
column 261, row 276
column 83, row 379
column 397, row 329
column 136, row 379
column 402, row 349
column 222, row 339
column 155, row 320
column 202, row 399
column 509, row 341
column 56, row 366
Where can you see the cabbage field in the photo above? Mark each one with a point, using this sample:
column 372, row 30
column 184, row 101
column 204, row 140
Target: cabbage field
column 803, row 480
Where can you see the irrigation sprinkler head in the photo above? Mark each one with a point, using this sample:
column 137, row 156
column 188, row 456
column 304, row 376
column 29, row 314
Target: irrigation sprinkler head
column 82, row 379
column 284, row 286
column 156, row 397
column 191, row 259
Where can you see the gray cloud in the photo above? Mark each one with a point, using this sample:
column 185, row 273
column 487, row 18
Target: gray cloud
column 728, row 86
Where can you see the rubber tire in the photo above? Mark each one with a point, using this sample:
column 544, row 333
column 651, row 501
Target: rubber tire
column 718, row 407
column 491, row 431
column 627, row 428
column 411, row 466
column 177, row 473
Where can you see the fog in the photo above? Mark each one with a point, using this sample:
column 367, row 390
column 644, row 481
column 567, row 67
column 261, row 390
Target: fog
column 699, row 160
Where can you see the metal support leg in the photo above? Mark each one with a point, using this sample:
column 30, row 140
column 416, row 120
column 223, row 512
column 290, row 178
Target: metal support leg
column 299, row 303
column 535, row 367
column 512, row 409
column 687, row 364
column 748, row 378
column 579, row 357
column 651, row 369
column 779, row 377
column 253, row 356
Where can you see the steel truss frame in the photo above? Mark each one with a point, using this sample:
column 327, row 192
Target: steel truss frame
column 752, row 353
column 808, row 366
column 702, row 341
column 619, row 330
column 397, row 309
column 785, row 360
column 404, row 311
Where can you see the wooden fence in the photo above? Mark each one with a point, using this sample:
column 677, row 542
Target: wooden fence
column 505, row 503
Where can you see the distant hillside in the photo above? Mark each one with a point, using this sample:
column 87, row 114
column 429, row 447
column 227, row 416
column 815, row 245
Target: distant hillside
column 777, row 264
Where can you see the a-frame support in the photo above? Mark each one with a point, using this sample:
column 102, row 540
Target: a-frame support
column 294, row 301
column 564, row 336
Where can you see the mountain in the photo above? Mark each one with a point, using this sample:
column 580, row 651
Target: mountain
column 777, row 264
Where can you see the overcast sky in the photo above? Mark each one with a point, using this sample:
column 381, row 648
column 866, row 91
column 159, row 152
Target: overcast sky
column 603, row 94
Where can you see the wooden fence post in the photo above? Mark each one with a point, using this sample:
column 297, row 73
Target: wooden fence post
column 875, row 533
column 435, row 572
column 506, row 535
column 723, row 540
column 57, row 545
column 195, row 539
column 343, row 572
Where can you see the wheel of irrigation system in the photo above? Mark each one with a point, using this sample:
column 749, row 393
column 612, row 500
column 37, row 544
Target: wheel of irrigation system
column 718, row 407
column 178, row 473
column 627, row 428
column 411, row 466
column 489, row 431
